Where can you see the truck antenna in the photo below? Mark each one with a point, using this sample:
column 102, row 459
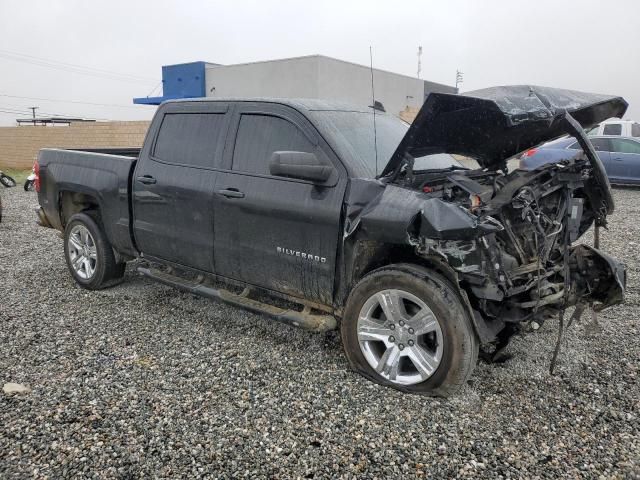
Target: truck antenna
column 373, row 105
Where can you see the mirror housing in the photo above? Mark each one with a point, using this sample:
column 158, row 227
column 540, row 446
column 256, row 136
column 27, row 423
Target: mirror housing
column 300, row 165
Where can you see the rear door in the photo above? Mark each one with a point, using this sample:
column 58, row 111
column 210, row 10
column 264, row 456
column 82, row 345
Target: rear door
column 278, row 233
column 173, row 184
column 625, row 158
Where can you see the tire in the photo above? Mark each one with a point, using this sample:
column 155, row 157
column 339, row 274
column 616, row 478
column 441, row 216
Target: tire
column 451, row 342
column 98, row 267
column 7, row 181
column 28, row 185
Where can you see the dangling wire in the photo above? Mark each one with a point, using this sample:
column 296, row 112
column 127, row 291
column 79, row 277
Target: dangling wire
column 567, row 241
column 556, row 350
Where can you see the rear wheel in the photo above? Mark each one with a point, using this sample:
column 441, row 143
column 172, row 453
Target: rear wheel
column 89, row 254
column 406, row 327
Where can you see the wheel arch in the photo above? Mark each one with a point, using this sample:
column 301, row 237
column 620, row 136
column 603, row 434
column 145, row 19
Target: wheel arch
column 71, row 202
column 462, row 342
column 368, row 256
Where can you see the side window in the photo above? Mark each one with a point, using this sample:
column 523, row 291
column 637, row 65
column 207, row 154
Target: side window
column 190, row 138
column 635, row 129
column 599, row 144
column 625, row 146
column 261, row 135
column 612, row 129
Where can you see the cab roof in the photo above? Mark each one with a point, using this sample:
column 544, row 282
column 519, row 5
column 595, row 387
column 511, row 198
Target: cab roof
column 304, row 104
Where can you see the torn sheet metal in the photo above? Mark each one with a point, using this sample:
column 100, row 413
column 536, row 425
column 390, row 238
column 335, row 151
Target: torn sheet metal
column 382, row 212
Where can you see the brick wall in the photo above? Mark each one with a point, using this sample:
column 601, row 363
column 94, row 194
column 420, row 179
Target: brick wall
column 19, row 145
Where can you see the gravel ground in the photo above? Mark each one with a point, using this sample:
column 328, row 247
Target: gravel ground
column 145, row 381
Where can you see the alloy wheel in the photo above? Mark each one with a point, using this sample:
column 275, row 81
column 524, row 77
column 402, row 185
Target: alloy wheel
column 400, row 337
column 82, row 252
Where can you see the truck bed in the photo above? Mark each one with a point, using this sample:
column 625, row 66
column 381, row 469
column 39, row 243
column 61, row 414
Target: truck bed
column 97, row 177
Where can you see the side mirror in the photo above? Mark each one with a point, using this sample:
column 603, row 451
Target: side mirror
column 300, row 165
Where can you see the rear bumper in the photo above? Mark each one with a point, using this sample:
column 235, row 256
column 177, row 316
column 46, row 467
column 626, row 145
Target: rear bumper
column 42, row 219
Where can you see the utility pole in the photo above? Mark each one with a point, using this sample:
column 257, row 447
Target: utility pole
column 459, row 80
column 33, row 111
column 419, row 61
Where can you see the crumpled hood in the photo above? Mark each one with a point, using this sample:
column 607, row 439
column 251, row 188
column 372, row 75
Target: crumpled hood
column 494, row 124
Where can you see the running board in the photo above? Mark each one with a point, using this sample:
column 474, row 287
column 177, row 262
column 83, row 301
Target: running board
column 304, row 319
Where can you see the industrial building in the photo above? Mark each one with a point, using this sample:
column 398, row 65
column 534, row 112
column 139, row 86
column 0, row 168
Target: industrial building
column 313, row 76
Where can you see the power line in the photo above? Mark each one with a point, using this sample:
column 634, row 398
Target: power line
column 56, row 63
column 71, row 101
column 15, row 111
column 9, row 108
column 75, row 65
column 9, row 112
column 74, row 68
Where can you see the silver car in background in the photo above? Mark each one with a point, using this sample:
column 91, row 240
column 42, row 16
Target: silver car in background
column 619, row 155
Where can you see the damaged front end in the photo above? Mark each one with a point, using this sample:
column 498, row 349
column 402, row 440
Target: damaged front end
column 514, row 254
column 508, row 238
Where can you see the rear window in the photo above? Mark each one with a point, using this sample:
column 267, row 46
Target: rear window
column 190, row 139
column 635, row 130
column 612, row 129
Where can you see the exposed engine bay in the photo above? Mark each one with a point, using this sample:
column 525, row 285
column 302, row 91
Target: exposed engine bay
column 509, row 238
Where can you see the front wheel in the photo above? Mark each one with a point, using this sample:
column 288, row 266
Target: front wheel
column 89, row 254
column 28, row 185
column 406, row 327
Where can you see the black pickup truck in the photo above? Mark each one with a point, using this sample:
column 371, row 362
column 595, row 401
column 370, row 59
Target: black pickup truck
column 324, row 215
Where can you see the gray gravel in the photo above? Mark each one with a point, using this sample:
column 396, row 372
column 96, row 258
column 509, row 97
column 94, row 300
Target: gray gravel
column 145, row 381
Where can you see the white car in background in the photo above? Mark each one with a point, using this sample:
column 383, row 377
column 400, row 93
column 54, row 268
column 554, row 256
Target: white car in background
column 617, row 127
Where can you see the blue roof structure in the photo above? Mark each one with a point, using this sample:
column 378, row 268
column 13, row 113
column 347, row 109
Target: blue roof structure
column 184, row 80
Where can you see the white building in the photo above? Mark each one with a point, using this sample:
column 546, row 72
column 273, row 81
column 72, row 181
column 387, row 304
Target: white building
column 313, row 76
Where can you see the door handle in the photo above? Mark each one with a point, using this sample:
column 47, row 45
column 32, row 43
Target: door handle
column 231, row 193
column 618, row 159
column 146, row 179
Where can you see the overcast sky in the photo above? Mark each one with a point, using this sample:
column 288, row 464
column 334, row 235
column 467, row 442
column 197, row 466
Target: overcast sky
column 588, row 45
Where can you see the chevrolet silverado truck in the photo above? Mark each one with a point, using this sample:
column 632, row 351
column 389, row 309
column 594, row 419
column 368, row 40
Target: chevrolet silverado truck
column 323, row 215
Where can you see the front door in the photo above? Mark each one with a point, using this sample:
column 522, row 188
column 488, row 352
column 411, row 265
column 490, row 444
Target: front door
column 173, row 184
column 277, row 233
